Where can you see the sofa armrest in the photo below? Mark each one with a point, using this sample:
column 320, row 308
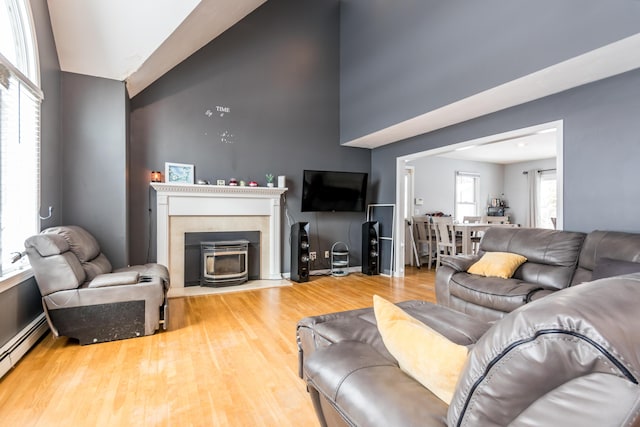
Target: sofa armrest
column 460, row 262
column 114, row 279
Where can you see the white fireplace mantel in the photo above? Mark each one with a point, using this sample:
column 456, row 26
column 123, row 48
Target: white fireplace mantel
column 226, row 203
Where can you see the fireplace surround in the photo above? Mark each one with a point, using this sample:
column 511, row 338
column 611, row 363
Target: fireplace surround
column 185, row 208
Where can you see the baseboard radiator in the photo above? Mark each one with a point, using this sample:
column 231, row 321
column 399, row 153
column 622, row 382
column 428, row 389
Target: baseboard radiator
column 18, row 346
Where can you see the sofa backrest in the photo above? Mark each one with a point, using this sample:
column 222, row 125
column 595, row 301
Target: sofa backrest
column 55, row 267
column 85, row 247
column 65, row 257
column 551, row 255
column 600, row 244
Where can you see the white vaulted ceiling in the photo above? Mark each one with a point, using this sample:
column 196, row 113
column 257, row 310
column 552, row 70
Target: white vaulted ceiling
column 137, row 41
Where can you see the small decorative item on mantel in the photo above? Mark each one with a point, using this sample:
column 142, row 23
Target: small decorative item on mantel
column 269, row 177
column 253, row 184
column 233, row 182
column 242, row 183
column 156, row 176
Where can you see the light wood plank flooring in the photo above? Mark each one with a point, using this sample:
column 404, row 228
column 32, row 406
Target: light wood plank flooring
column 226, row 360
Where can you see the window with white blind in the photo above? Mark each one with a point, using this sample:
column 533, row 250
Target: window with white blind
column 467, row 194
column 20, row 99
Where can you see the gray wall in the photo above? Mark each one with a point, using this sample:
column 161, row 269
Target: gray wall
column 601, row 148
column 50, row 143
column 403, row 58
column 94, row 160
column 278, row 72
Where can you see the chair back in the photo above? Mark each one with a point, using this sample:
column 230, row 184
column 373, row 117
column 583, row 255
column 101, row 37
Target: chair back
column 64, row 258
column 423, row 228
column 54, row 266
column 443, row 227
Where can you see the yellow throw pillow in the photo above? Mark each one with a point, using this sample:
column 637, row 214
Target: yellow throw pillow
column 424, row 354
column 497, row 264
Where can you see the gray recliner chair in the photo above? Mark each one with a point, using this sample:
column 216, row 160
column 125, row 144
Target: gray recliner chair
column 84, row 299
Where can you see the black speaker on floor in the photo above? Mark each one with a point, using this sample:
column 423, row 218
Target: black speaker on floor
column 300, row 252
column 370, row 248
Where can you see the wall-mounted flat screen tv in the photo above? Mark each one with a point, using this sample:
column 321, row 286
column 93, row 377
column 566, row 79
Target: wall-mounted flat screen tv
column 328, row 191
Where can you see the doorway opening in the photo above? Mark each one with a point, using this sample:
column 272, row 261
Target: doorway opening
column 489, row 149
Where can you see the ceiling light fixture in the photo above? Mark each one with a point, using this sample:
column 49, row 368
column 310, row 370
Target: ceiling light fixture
column 540, row 132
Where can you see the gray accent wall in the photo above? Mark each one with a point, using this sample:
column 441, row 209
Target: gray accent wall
column 94, row 161
column 277, row 74
column 50, row 143
column 600, row 158
column 403, row 58
column 19, row 306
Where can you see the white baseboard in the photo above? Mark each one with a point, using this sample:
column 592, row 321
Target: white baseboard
column 18, row 346
column 325, row 272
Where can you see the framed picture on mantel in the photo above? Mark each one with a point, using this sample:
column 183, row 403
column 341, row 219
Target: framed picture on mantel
column 178, row 173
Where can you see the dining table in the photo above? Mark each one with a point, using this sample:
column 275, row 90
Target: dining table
column 467, row 230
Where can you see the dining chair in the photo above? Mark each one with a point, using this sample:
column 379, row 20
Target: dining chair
column 425, row 239
column 447, row 241
column 476, row 236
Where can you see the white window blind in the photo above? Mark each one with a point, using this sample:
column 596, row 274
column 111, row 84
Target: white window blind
column 20, row 99
column 466, row 197
column 19, row 164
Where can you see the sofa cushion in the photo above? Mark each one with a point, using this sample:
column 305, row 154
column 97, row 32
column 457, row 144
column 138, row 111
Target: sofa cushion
column 424, row 354
column 500, row 294
column 97, row 266
column 551, row 254
column 609, row 267
column 497, row 264
column 365, row 389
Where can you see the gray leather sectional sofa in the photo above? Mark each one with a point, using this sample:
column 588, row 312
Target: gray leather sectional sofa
column 570, row 358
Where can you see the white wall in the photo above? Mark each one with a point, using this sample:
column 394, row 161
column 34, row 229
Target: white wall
column 516, row 189
column 435, row 182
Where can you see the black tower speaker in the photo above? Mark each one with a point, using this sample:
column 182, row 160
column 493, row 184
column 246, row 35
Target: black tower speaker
column 370, row 248
column 300, row 252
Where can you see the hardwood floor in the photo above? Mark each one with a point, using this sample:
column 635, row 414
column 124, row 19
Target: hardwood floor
column 226, row 360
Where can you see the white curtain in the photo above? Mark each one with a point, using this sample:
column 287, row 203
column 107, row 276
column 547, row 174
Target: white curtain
column 532, row 208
